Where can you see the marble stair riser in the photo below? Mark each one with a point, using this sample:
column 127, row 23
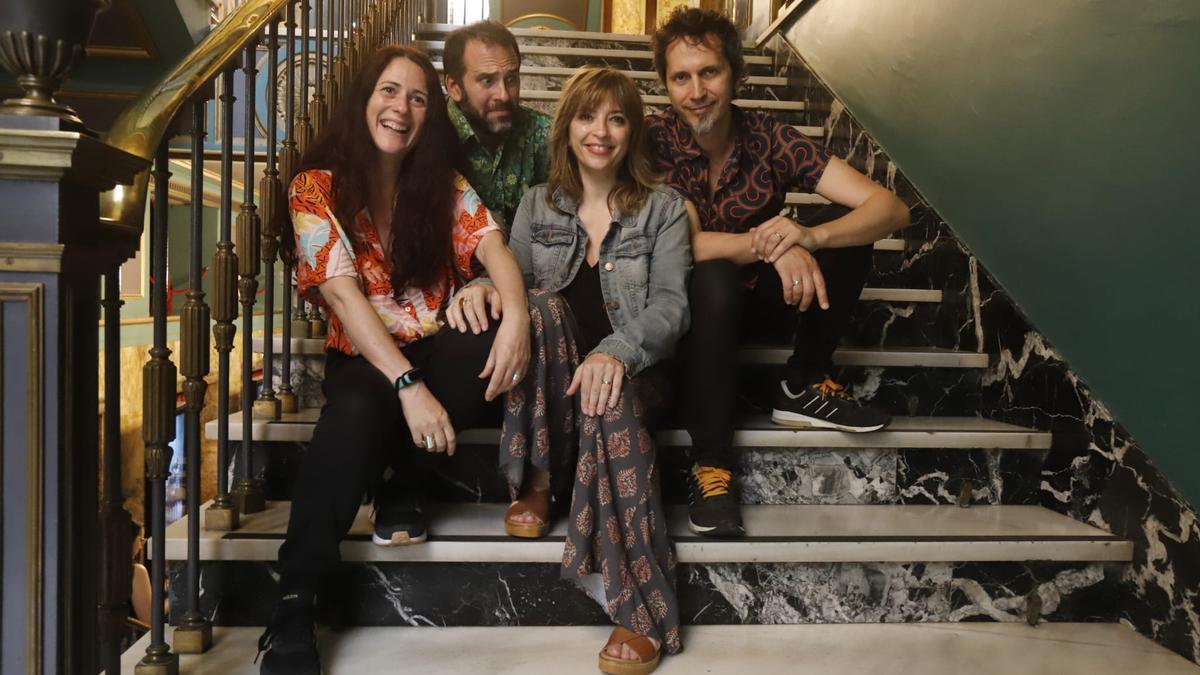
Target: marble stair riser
column 240, row 593
column 766, row 475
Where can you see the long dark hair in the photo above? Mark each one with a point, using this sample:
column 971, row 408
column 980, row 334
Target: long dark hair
column 423, row 212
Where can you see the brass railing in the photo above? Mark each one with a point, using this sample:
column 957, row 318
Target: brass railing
column 333, row 37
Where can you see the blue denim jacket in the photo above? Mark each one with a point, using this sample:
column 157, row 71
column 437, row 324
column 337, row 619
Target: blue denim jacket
column 644, row 264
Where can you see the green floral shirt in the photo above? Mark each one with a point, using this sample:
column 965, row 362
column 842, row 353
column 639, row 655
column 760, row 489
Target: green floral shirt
column 520, row 162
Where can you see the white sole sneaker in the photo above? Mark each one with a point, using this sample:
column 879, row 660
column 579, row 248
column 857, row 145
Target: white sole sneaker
column 398, row 539
column 791, row 419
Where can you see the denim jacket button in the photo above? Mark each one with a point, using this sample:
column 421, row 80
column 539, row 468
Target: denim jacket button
column 608, row 267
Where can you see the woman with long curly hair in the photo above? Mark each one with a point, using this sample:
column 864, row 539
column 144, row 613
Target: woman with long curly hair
column 385, row 229
column 607, row 252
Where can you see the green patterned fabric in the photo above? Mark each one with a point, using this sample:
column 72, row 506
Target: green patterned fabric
column 520, row 162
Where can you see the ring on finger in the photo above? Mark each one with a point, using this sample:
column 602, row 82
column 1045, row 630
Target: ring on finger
column 606, row 382
column 777, row 235
column 795, row 282
column 466, row 301
column 516, row 376
column 428, row 442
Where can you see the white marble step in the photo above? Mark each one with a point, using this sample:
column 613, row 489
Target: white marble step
column 660, row 100
column 575, row 35
column 774, row 534
column 436, row 46
column 556, row 71
column 949, row 433
column 812, row 649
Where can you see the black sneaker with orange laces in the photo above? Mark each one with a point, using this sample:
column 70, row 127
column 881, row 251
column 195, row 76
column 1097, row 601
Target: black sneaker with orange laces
column 825, row 405
column 713, row 510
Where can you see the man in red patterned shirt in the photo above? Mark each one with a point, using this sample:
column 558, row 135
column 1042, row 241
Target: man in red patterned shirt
column 736, row 167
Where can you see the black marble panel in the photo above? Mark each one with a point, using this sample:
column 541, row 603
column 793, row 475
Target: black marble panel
column 927, row 476
column 471, row 594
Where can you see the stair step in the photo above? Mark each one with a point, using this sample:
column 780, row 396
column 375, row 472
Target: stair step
column 574, row 35
column 813, row 649
column 755, row 431
column 660, row 100
column 558, row 71
column 774, row 534
column 432, row 46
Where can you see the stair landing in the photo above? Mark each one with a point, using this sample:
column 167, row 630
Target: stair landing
column 928, row 649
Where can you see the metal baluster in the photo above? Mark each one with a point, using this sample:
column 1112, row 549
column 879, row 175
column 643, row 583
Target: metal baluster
column 267, row 406
column 158, row 429
column 306, row 130
column 318, row 101
column 288, row 160
column 116, row 525
column 248, row 495
column 194, row 634
column 338, row 14
column 223, row 514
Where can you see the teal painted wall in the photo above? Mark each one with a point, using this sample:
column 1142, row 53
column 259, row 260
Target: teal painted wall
column 1058, row 139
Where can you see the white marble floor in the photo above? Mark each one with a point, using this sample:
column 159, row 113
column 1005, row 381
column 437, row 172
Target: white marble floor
column 855, row 649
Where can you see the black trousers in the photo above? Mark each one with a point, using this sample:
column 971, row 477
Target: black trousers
column 361, row 431
column 724, row 311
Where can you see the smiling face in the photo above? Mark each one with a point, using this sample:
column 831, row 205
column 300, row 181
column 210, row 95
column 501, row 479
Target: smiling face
column 600, row 138
column 490, row 88
column 699, row 82
column 397, row 107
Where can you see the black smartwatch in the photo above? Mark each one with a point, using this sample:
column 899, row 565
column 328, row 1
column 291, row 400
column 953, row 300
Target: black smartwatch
column 412, row 377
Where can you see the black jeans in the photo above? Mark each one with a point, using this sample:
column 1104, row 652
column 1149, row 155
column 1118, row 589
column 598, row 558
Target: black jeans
column 724, row 310
column 361, row 431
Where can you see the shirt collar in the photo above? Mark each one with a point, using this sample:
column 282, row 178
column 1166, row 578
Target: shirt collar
column 567, row 204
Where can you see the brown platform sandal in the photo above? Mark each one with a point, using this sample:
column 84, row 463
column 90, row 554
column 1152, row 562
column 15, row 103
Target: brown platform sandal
column 535, row 502
column 648, row 654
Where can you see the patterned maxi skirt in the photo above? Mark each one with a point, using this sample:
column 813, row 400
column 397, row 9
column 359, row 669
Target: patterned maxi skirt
column 616, row 526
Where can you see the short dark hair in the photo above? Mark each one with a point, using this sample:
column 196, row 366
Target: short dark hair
column 487, row 32
column 695, row 25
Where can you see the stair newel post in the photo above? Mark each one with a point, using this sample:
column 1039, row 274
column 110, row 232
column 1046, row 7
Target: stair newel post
column 158, row 428
column 248, row 495
column 223, row 514
column 288, row 161
column 194, row 633
column 267, row 406
column 116, row 525
column 305, row 131
column 318, row 101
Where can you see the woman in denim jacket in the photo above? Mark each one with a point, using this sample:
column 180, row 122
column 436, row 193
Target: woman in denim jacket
column 607, row 253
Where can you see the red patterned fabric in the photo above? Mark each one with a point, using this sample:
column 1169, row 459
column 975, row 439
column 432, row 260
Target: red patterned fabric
column 326, row 251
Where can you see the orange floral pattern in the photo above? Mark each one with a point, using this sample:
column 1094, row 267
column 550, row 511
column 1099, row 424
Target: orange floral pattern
column 327, row 250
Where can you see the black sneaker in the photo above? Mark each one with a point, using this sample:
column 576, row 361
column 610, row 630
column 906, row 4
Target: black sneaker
column 825, row 405
column 712, row 509
column 398, row 521
column 290, row 641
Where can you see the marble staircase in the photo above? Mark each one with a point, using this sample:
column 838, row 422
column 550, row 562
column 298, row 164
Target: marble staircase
column 920, row 548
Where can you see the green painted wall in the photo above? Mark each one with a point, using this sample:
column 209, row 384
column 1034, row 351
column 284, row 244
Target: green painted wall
column 1059, row 140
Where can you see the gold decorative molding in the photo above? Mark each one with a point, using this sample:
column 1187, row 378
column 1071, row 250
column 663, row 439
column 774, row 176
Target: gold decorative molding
column 543, row 15
column 30, row 295
column 24, row 257
column 123, row 53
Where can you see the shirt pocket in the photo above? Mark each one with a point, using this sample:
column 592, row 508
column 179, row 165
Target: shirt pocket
column 633, row 268
column 552, row 246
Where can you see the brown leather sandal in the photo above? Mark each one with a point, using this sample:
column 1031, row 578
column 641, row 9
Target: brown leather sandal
column 535, row 502
column 648, row 654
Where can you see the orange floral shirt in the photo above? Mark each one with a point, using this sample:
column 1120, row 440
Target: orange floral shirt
column 325, row 252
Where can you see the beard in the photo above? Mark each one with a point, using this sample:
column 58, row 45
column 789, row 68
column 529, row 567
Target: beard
column 706, row 123
column 479, row 120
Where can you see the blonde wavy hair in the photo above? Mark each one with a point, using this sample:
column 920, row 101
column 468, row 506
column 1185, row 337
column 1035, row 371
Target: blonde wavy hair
column 585, row 92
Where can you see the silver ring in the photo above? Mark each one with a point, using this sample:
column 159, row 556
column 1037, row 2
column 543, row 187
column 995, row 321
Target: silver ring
column 777, row 235
column 795, row 283
column 605, row 382
column 516, row 376
column 428, row 442
column 466, row 301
